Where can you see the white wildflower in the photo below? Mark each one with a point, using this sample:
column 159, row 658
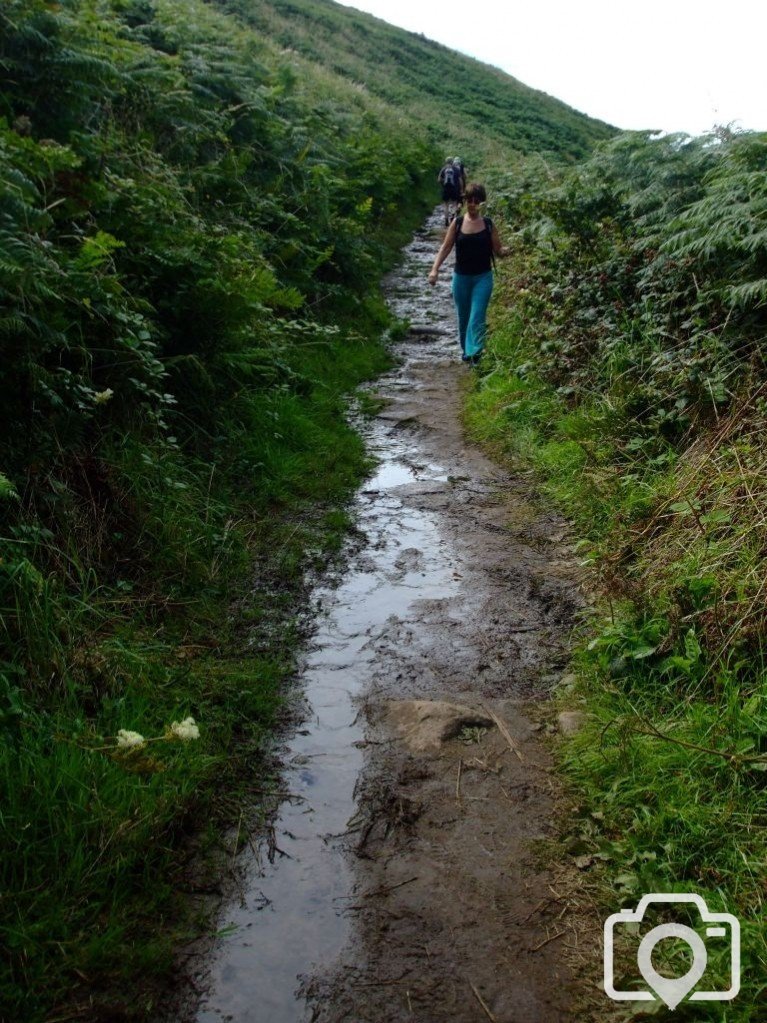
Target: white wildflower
column 102, row 397
column 185, row 730
column 129, row 740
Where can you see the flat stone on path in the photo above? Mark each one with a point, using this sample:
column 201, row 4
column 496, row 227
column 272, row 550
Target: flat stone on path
column 427, row 724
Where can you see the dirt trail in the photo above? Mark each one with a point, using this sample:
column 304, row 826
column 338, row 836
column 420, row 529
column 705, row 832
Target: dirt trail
column 411, row 888
column 453, row 918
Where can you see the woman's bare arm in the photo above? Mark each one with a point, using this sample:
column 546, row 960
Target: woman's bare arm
column 443, row 253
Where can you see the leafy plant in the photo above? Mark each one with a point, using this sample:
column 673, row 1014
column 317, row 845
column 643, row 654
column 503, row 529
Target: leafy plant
column 626, row 366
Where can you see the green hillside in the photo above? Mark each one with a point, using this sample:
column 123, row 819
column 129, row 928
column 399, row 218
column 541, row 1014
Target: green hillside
column 458, row 102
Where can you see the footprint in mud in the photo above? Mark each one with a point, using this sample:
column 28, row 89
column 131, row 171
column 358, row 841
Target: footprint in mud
column 409, row 560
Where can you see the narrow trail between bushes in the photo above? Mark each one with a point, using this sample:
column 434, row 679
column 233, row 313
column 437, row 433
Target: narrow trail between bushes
column 401, row 880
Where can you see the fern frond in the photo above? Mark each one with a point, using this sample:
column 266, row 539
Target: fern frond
column 7, row 489
column 751, row 295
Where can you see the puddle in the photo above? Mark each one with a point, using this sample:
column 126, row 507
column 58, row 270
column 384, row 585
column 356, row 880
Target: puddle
column 290, row 920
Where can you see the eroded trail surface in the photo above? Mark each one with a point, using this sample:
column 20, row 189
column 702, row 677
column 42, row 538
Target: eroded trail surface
column 405, row 885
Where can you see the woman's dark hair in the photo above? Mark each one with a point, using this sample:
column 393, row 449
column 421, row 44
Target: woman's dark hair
column 475, row 191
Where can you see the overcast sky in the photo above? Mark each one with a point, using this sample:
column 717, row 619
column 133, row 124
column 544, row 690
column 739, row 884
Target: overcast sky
column 669, row 65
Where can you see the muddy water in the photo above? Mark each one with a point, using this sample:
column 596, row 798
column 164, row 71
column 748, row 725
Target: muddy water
column 454, row 594
column 291, row 917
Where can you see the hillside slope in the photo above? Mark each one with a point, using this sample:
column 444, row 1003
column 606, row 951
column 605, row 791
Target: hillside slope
column 458, row 102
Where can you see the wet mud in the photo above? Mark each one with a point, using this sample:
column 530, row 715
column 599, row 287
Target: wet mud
column 404, row 877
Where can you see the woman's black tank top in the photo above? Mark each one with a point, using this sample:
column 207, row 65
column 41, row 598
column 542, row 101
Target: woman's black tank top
column 473, row 252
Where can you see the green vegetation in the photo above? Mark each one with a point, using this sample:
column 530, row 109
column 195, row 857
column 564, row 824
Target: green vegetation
column 457, row 103
column 627, row 365
column 189, row 258
column 196, row 205
column 197, row 202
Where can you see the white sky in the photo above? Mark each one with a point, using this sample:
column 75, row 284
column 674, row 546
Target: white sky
column 668, row 65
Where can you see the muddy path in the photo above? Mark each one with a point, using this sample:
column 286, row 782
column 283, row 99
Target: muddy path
column 403, row 879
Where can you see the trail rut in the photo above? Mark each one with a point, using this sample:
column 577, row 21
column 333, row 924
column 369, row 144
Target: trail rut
column 409, row 883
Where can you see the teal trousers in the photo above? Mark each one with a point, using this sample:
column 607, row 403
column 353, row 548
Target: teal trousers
column 471, row 294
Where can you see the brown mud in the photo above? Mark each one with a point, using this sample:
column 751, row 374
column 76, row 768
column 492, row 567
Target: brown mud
column 405, row 877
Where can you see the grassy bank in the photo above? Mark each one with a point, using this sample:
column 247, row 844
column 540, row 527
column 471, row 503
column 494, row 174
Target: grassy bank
column 188, row 295
column 626, row 366
column 96, row 836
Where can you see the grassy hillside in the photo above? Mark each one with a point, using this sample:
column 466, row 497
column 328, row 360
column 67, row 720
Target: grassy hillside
column 455, row 102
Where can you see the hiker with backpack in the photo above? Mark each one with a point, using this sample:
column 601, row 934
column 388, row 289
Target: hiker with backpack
column 477, row 243
column 452, row 188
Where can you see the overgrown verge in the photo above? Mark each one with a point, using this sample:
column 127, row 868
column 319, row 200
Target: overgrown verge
column 626, row 365
column 189, row 257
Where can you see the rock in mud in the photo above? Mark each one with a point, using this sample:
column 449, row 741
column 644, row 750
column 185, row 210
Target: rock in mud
column 427, row 724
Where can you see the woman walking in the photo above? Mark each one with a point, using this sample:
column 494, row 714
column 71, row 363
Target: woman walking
column 476, row 243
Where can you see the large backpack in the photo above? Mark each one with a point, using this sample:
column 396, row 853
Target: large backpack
column 449, row 175
column 451, row 183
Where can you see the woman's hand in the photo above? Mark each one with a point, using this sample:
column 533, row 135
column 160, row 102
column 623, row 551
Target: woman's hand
column 433, row 277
